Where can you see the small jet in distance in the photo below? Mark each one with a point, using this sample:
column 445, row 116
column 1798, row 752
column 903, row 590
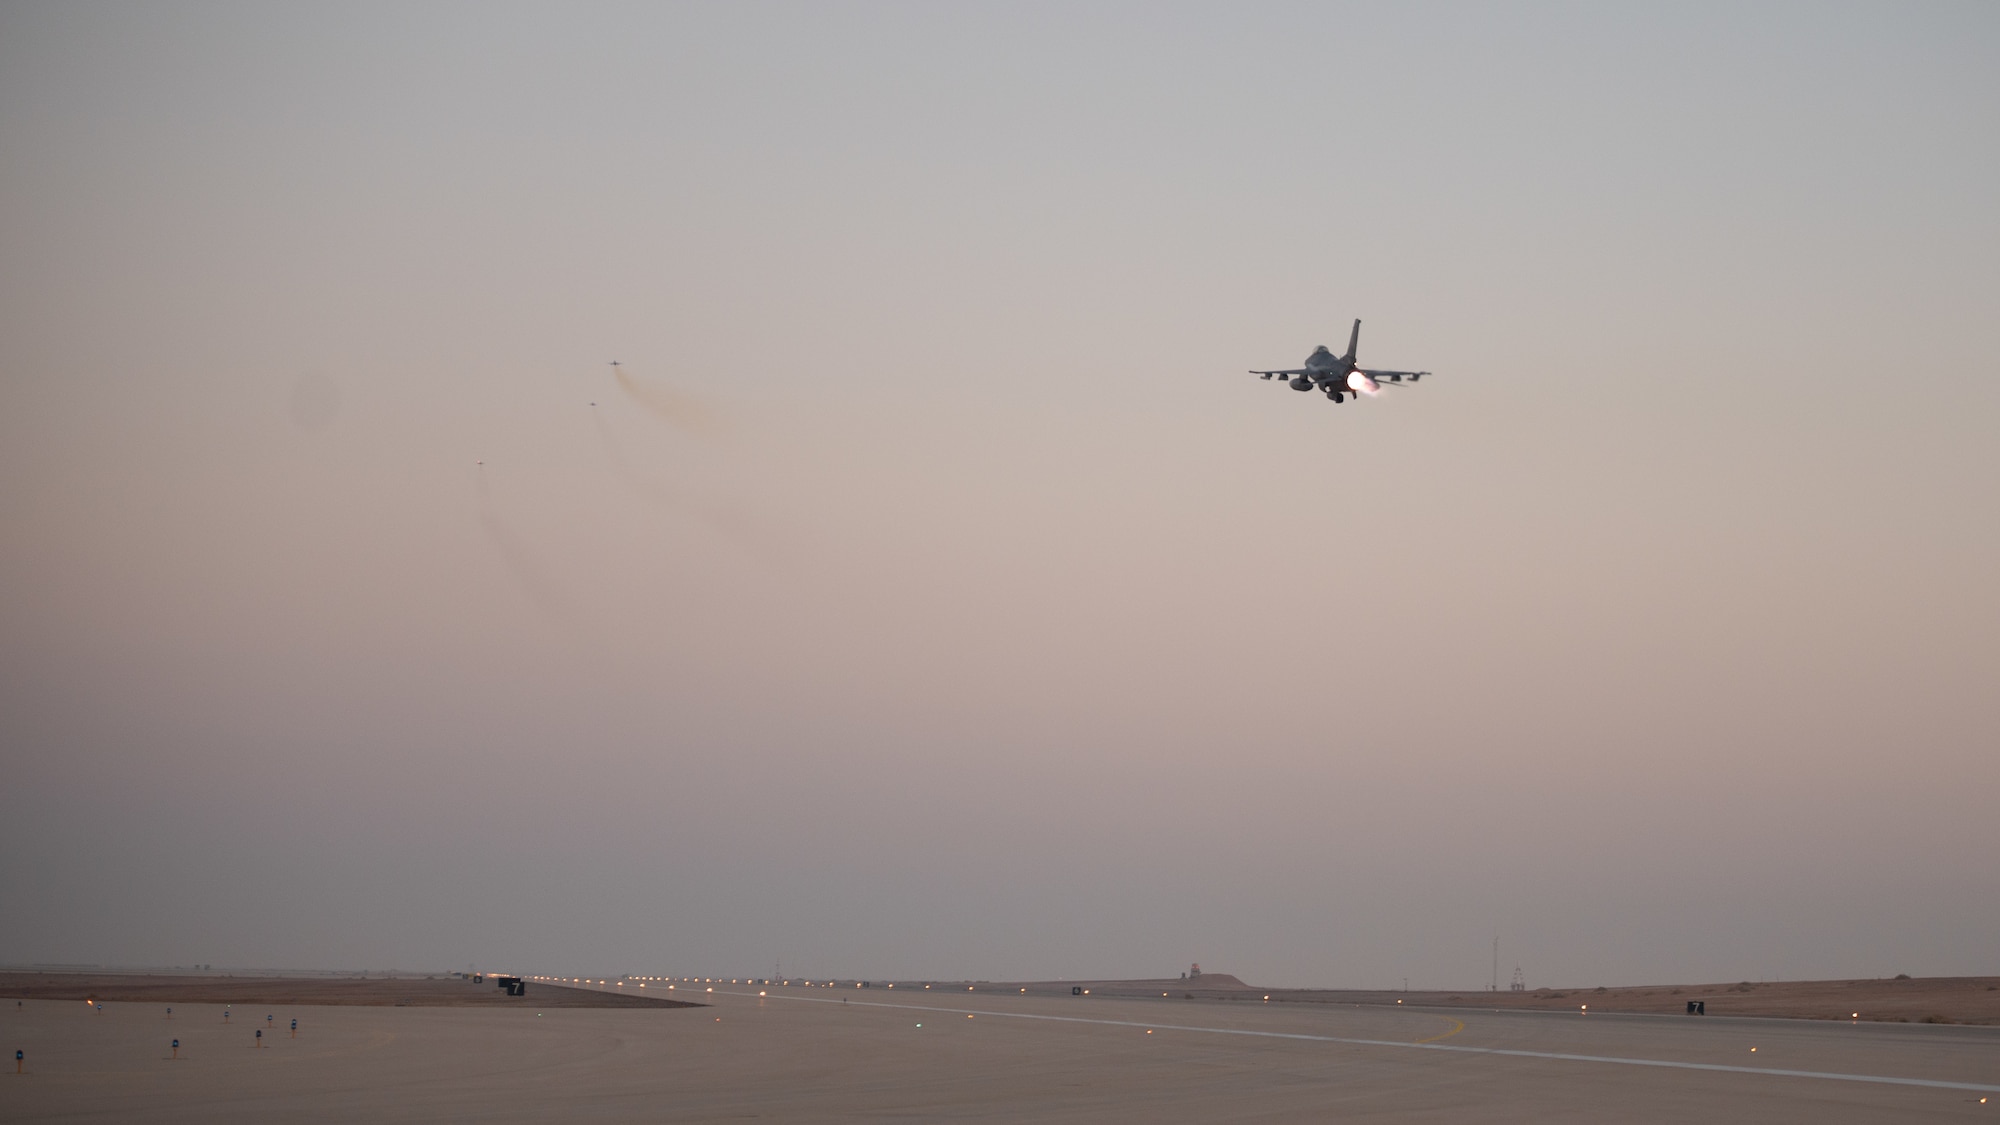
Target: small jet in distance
column 1339, row 375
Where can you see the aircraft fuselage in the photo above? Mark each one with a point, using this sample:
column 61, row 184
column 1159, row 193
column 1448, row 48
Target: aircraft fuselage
column 1333, row 374
column 1323, row 360
column 1338, row 375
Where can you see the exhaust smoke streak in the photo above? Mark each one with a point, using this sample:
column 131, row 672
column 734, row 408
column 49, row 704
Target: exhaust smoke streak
column 521, row 562
column 676, row 408
column 528, row 572
column 730, row 525
column 655, row 491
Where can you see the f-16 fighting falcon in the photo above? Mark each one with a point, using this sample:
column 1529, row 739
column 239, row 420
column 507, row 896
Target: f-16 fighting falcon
column 1338, row 375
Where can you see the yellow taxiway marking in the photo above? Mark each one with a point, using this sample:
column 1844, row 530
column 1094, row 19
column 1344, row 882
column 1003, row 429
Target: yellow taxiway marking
column 1456, row 1027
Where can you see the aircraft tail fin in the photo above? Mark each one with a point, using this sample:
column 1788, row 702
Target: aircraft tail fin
column 1353, row 341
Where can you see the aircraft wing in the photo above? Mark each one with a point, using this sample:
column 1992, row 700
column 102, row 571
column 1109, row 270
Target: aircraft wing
column 1288, row 371
column 1393, row 376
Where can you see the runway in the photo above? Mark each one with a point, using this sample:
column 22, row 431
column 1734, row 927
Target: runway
column 1432, row 1044
column 812, row 1055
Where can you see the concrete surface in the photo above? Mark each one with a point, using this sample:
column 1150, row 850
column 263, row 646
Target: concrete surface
column 799, row 1057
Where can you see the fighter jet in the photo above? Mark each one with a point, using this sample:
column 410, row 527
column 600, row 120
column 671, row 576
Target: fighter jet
column 1338, row 375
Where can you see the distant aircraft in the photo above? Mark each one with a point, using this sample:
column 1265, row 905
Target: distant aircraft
column 1338, row 375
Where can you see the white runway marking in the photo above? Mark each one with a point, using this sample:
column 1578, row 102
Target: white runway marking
column 1724, row 1068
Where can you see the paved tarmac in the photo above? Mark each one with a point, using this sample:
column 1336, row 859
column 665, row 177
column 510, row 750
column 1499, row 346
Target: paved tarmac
column 846, row 1055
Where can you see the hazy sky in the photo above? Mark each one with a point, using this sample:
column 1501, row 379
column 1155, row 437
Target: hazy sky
column 937, row 596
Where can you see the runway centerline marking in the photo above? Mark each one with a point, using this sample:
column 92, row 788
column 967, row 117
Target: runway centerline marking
column 1509, row 1052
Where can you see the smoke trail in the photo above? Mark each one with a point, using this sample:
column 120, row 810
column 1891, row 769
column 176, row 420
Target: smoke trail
column 731, row 525
column 646, row 486
column 674, row 407
column 527, row 571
